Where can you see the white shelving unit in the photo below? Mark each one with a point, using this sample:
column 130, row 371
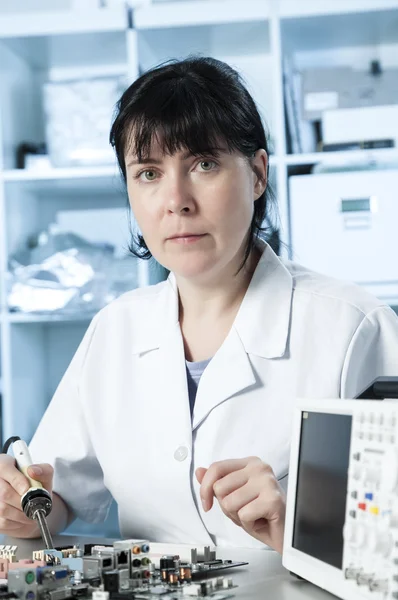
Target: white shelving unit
column 36, row 47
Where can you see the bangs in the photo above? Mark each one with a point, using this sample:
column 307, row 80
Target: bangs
column 177, row 117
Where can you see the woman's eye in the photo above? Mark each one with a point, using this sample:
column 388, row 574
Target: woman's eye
column 149, row 175
column 207, row 165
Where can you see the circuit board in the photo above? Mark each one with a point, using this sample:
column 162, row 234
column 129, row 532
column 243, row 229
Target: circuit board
column 126, row 570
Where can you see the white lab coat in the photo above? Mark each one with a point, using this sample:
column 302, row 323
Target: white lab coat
column 120, row 421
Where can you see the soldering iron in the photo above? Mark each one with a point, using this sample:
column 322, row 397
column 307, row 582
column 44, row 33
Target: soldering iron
column 36, row 503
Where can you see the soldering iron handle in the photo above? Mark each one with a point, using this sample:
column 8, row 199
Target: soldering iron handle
column 23, row 460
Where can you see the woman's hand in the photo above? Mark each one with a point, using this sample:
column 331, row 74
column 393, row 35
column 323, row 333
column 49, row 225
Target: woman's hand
column 13, row 485
column 249, row 494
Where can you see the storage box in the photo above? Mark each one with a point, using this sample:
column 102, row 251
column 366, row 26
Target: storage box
column 78, row 120
column 345, row 225
column 360, row 124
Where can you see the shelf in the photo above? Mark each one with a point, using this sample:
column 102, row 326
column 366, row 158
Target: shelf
column 72, row 55
column 338, row 157
column 18, row 318
column 58, row 22
column 22, row 175
column 105, row 179
column 325, row 31
column 309, row 8
column 183, row 14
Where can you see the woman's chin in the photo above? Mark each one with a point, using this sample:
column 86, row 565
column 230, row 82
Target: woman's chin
column 192, row 269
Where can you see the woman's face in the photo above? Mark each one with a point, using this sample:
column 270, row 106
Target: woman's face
column 194, row 212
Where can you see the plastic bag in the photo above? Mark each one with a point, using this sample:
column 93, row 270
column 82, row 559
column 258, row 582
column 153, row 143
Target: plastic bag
column 65, row 273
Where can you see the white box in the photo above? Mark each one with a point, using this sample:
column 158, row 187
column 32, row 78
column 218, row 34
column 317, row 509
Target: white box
column 345, row 225
column 78, row 116
column 360, row 124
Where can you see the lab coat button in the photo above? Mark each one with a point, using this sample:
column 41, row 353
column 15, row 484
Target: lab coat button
column 181, row 453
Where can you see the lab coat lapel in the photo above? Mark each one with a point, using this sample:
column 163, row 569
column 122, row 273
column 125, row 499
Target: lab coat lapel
column 261, row 328
column 172, row 358
column 227, row 374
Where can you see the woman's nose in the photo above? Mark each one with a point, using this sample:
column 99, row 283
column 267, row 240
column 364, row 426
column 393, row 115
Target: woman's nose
column 179, row 198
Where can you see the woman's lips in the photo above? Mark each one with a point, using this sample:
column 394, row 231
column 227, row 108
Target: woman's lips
column 187, row 239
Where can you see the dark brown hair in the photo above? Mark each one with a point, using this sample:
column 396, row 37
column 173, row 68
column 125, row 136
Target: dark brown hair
column 192, row 104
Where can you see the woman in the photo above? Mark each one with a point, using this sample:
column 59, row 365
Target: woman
column 185, row 462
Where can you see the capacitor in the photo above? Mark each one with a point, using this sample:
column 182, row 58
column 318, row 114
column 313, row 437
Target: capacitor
column 173, row 577
column 185, row 572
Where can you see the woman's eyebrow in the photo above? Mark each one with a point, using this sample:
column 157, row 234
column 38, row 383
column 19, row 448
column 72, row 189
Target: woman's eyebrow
column 144, row 161
column 210, row 152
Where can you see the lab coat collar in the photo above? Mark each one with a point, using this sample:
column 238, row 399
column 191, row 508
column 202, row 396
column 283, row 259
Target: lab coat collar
column 263, row 319
column 228, row 374
column 262, row 322
column 261, row 328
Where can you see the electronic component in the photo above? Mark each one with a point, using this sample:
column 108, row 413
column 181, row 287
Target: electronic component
column 341, row 529
column 123, row 571
column 8, row 552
